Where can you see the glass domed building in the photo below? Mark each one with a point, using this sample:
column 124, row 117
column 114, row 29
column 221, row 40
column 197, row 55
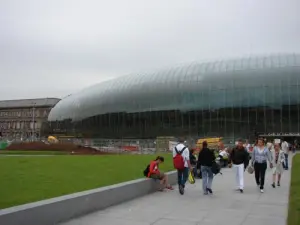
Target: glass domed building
column 230, row 98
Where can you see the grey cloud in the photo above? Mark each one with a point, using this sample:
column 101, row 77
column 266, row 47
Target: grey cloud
column 60, row 46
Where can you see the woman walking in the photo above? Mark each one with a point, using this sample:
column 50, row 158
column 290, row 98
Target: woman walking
column 260, row 156
column 278, row 158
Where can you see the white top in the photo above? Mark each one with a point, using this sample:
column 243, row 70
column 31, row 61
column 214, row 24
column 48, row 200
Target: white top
column 185, row 155
column 285, row 147
column 223, row 153
column 270, row 145
column 247, row 146
column 281, row 157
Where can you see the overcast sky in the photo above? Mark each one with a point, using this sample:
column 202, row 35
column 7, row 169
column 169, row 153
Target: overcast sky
column 52, row 48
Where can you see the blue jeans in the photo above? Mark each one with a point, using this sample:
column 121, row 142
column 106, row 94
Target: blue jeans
column 207, row 177
column 183, row 176
column 286, row 163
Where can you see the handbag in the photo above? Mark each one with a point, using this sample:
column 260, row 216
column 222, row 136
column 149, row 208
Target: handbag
column 250, row 169
column 191, row 178
column 216, row 168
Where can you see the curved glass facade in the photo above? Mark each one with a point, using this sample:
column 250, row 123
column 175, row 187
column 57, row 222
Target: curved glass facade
column 230, row 98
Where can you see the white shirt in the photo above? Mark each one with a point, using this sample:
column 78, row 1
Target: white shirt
column 185, row 154
column 223, row 153
column 270, row 145
column 247, row 146
column 285, row 147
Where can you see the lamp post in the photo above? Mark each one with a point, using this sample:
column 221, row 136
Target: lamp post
column 33, row 124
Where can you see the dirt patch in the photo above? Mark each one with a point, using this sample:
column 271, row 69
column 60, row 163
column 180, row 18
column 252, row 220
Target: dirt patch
column 66, row 147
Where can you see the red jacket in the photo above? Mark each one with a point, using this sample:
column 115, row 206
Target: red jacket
column 153, row 169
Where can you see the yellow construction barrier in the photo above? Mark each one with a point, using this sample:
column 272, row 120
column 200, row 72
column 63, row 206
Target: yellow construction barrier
column 52, row 139
column 211, row 141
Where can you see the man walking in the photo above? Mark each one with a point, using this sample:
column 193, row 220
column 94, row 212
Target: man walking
column 239, row 158
column 285, row 149
column 205, row 160
column 181, row 152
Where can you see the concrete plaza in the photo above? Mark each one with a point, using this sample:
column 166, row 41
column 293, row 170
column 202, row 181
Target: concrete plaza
column 225, row 206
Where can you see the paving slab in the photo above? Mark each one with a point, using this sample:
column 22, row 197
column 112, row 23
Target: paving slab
column 225, row 206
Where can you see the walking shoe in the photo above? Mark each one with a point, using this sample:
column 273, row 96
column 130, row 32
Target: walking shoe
column 209, row 190
column 261, row 190
column 278, row 184
column 242, row 191
column 273, row 185
column 181, row 189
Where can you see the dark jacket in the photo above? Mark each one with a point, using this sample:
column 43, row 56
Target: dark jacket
column 239, row 156
column 206, row 157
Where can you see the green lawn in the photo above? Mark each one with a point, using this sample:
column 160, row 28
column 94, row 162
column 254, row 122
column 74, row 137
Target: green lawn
column 20, row 152
column 294, row 200
column 29, row 179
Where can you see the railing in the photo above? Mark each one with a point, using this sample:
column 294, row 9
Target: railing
column 120, row 146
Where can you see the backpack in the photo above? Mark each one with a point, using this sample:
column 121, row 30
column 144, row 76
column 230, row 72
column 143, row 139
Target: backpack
column 146, row 171
column 178, row 159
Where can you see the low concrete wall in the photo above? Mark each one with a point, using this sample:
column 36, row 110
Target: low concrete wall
column 60, row 209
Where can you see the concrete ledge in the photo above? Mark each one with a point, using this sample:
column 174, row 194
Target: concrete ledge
column 60, row 209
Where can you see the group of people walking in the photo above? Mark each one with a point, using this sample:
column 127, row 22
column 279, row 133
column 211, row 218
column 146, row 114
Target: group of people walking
column 239, row 159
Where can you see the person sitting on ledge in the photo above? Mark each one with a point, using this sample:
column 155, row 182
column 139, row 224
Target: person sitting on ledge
column 154, row 173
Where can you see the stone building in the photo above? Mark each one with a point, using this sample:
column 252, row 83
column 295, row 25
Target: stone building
column 24, row 118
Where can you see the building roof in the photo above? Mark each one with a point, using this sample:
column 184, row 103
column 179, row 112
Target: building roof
column 197, row 85
column 27, row 103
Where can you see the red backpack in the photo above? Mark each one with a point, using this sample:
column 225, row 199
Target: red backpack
column 178, row 160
